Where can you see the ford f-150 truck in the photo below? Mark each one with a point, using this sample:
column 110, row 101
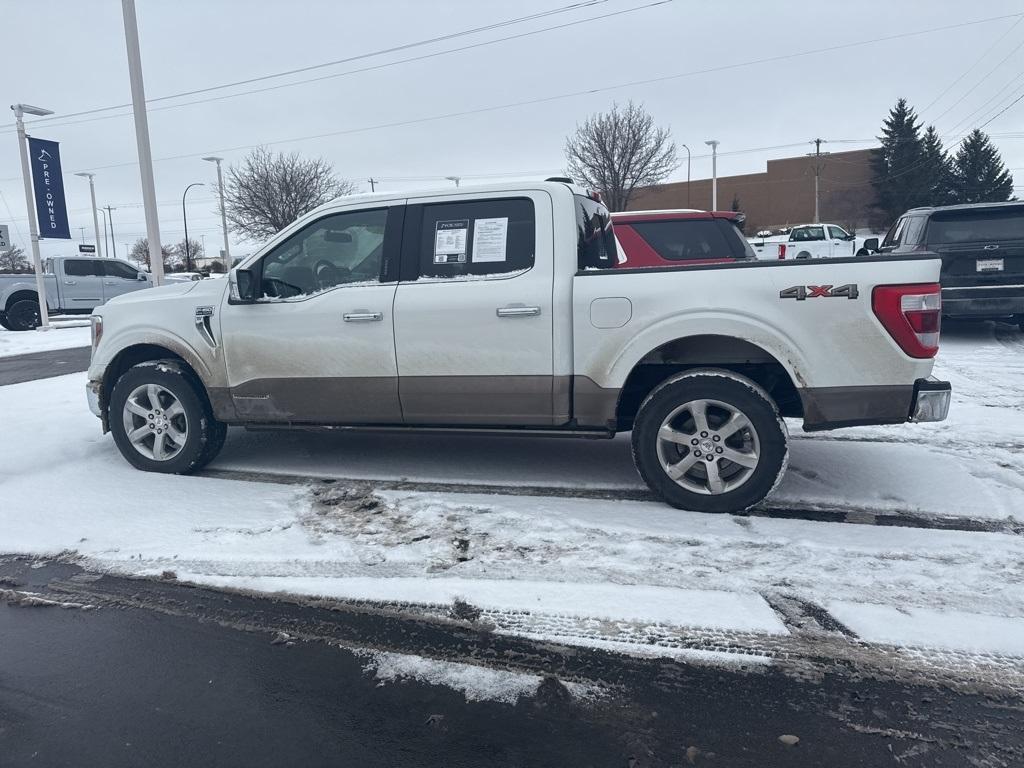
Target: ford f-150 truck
column 813, row 241
column 500, row 309
column 74, row 285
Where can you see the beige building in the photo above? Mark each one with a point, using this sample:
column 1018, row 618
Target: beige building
column 783, row 195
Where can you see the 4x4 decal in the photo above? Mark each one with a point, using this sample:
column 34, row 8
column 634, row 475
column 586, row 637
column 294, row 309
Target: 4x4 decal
column 802, row 292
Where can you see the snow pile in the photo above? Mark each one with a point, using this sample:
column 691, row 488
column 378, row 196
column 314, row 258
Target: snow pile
column 25, row 342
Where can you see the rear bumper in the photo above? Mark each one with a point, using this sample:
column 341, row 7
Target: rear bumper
column 983, row 301
column 838, row 407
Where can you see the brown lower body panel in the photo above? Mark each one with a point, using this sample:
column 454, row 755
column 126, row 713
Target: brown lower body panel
column 478, row 400
column 834, row 407
column 315, row 400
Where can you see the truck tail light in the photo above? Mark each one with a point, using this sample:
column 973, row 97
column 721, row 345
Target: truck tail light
column 782, row 250
column 912, row 315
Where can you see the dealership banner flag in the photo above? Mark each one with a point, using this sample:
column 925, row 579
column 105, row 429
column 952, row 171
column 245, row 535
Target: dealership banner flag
column 51, row 209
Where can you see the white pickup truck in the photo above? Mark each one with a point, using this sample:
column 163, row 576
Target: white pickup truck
column 500, row 309
column 74, row 285
column 813, row 241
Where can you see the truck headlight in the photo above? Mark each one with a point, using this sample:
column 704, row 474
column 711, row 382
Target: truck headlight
column 96, row 330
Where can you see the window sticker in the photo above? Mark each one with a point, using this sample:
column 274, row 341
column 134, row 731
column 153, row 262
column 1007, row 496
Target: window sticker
column 489, row 239
column 450, row 241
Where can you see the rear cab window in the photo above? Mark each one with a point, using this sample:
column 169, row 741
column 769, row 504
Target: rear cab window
column 83, row 268
column 595, row 241
column 976, row 226
column 694, row 240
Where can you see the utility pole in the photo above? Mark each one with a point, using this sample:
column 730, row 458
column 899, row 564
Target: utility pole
column 30, row 205
column 456, row 179
column 95, row 218
column 82, row 232
column 131, row 40
column 113, row 243
column 373, row 184
column 106, row 235
column 223, row 213
column 687, row 175
column 817, row 175
column 714, row 172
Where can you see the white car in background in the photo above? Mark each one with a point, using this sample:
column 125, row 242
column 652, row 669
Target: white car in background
column 813, row 241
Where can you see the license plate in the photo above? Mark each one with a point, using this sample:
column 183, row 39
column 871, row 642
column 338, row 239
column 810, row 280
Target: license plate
column 990, row 265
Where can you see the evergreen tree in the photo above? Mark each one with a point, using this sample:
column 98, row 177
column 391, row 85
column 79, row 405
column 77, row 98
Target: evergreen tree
column 936, row 170
column 897, row 167
column 978, row 174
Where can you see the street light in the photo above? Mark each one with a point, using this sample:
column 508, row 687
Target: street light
column 714, row 173
column 456, row 179
column 223, row 211
column 95, row 218
column 687, row 175
column 106, row 239
column 33, row 228
column 184, row 215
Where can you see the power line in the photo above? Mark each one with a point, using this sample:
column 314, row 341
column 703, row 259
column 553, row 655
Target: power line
column 322, row 65
column 983, row 78
column 336, row 75
column 1004, row 109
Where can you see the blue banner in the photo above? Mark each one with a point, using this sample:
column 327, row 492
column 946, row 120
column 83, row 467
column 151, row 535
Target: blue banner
column 51, row 209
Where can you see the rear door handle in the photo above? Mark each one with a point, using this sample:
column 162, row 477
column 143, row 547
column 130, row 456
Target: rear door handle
column 362, row 317
column 70, row 282
column 110, row 282
column 518, row 311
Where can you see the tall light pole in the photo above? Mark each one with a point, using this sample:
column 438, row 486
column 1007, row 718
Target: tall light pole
column 131, row 39
column 95, row 218
column 110, row 221
column 223, row 211
column 687, row 175
column 184, row 215
column 106, row 237
column 714, row 173
column 33, row 227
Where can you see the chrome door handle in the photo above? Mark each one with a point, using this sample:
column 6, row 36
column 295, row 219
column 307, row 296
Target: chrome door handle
column 362, row 317
column 70, row 282
column 110, row 282
column 518, row 311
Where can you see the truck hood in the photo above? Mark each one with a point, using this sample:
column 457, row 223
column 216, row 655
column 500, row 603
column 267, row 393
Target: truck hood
column 201, row 288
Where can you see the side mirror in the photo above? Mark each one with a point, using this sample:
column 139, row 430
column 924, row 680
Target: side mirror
column 871, row 244
column 142, row 277
column 242, row 286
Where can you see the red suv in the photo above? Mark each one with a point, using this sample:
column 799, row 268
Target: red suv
column 680, row 238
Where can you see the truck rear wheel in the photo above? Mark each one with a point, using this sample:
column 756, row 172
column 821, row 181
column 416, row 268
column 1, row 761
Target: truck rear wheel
column 24, row 315
column 161, row 419
column 710, row 441
column 3, row 321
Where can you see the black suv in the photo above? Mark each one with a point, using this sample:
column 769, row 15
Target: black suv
column 982, row 250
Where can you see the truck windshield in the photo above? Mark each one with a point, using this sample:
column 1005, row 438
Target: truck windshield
column 976, row 226
column 596, row 242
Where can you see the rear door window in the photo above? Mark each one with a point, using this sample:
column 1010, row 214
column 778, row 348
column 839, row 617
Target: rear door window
column 83, row 268
column 477, row 238
column 976, row 226
column 686, row 239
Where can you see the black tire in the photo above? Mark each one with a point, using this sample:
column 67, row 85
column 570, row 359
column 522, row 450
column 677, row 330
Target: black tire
column 803, row 255
column 740, row 394
column 3, row 321
column 863, row 252
column 24, row 315
column 204, row 434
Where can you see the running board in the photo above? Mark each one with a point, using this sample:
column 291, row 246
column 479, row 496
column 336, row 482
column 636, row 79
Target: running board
column 589, row 434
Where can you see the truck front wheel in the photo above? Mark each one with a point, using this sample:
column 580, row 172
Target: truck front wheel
column 23, row 315
column 710, row 441
column 3, row 321
column 161, row 419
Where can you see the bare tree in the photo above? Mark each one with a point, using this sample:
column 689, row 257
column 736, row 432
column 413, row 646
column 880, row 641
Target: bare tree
column 14, row 260
column 617, row 151
column 139, row 252
column 187, row 260
column 267, row 192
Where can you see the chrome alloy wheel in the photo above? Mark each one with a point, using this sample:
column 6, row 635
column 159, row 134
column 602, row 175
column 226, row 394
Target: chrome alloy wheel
column 708, row 447
column 155, row 422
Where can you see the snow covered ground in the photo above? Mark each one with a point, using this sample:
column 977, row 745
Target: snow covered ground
column 62, row 336
column 611, row 573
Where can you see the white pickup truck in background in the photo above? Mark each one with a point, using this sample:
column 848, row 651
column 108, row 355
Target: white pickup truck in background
column 75, row 285
column 813, row 241
column 500, row 309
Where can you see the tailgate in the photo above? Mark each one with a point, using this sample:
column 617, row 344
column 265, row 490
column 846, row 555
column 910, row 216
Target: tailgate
column 982, row 264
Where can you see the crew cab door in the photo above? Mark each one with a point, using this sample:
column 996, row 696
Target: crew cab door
column 119, row 278
column 81, row 284
column 842, row 243
column 473, row 311
column 318, row 344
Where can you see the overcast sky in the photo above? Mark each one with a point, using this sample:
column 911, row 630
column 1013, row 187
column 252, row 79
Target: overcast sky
column 69, row 56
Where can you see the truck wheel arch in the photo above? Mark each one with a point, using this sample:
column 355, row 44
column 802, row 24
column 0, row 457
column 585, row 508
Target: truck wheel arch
column 22, row 295
column 708, row 351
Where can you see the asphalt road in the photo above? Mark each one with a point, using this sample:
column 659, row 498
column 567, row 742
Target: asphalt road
column 161, row 674
column 43, row 365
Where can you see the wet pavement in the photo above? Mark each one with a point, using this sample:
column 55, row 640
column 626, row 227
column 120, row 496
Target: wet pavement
column 43, row 365
column 157, row 673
